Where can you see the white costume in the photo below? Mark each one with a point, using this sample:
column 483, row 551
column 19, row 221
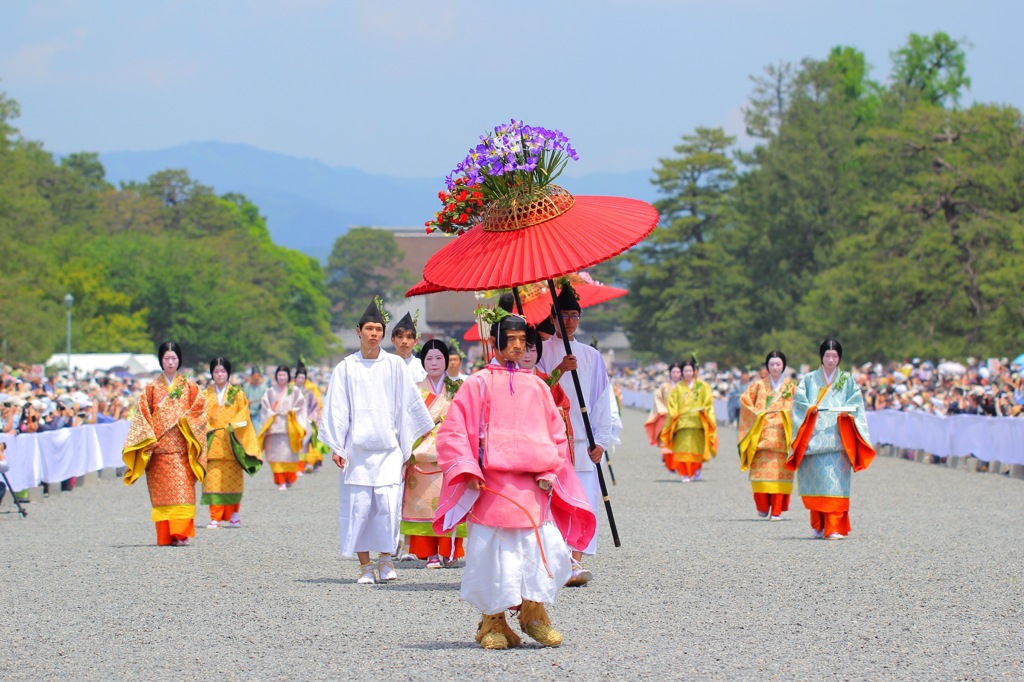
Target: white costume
column 415, row 369
column 593, row 376
column 372, row 414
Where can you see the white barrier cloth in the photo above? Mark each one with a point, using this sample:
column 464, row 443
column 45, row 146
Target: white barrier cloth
column 54, row 456
column 987, row 438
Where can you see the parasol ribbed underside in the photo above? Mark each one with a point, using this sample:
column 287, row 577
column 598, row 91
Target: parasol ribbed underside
column 595, row 229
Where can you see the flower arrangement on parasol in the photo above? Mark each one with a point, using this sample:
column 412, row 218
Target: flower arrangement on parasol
column 511, row 167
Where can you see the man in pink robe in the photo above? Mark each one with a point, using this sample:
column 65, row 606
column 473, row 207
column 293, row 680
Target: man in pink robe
column 508, row 475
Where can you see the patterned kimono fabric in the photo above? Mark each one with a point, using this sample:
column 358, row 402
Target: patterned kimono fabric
column 228, row 428
column 284, row 426
column 764, row 443
column 655, row 423
column 167, row 441
column 691, row 430
column 825, row 465
column 312, row 454
column 423, row 488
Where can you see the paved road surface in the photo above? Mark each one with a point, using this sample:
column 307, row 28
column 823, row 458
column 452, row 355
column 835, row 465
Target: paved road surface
column 928, row 586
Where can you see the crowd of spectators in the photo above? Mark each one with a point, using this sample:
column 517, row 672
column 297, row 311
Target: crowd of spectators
column 993, row 387
column 31, row 403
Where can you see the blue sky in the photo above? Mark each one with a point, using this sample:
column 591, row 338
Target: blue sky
column 405, row 87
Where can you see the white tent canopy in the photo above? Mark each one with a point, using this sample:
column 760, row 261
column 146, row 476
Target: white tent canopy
column 136, row 363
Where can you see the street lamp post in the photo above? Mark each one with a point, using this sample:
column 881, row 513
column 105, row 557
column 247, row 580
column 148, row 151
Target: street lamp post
column 69, row 300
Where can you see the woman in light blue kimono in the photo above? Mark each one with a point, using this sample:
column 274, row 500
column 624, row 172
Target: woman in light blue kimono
column 831, row 442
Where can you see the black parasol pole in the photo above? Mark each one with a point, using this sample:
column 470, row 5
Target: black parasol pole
column 519, row 302
column 586, row 417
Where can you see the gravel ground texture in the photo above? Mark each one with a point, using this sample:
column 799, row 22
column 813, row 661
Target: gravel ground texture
column 927, row 586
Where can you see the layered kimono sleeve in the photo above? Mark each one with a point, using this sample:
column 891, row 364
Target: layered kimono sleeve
column 192, row 425
column 708, row 421
column 656, row 417
column 752, row 418
column 805, row 416
column 853, row 428
column 141, row 437
column 245, row 446
column 298, row 419
column 458, row 455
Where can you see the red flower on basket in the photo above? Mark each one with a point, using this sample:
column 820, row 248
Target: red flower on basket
column 463, row 208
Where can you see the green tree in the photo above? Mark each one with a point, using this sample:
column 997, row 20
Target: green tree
column 932, row 68
column 680, row 276
column 363, row 263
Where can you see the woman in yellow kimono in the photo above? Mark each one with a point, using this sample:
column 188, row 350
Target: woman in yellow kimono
column 311, row 454
column 231, row 445
column 655, row 423
column 423, row 477
column 283, row 409
column 766, row 430
column 167, row 441
column 690, row 429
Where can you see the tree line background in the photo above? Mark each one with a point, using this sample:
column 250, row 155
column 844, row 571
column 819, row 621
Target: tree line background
column 884, row 214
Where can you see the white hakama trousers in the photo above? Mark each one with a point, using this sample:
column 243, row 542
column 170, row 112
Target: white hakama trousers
column 369, row 517
column 592, row 488
column 504, row 566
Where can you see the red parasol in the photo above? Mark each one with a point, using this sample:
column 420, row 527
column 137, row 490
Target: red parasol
column 423, row 288
column 537, row 305
column 591, row 230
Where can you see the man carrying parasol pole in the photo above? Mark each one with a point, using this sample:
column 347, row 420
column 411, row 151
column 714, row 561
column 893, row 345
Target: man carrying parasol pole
column 585, row 379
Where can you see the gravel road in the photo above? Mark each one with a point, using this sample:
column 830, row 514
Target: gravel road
column 928, row 586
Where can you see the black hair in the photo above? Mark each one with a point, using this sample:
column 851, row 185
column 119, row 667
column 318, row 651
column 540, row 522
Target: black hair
column 220, row 362
column 509, row 323
column 533, row 341
column 690, row 362
column 165, row 348
column 435, row 344
column 300, row 368
column 830, row 344
column 283, row 368
column 777, row 354
column 673, row 366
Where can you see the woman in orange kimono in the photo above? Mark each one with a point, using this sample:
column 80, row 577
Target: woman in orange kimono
column 655, row 423
column 167, row 441
column 231, row 445
column 423, row 477
column 766, row 430
column 691, row 430
column 283, row 409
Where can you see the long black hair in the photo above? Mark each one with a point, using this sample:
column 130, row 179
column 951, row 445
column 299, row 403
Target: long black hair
column 168, row 347
column 533, row 341
column 830, row 344
column 220, row 362
column 435, row 344
column 282, row 368
column 777, row 354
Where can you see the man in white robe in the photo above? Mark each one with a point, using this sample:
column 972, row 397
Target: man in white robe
column 404, row 337
column 372, row 415
column 593, row 375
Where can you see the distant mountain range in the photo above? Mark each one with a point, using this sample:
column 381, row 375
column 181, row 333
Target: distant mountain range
column 308, row 204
